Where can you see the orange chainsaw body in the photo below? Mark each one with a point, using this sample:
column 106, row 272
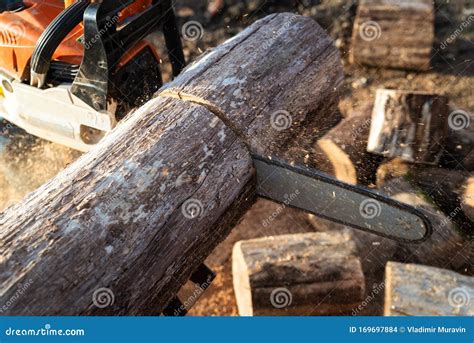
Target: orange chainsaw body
column 20, row 31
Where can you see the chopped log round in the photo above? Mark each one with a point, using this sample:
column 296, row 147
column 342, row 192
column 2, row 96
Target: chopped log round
column 122, row 229
column 299, row 274
column 409, row 125
column 342, row 152
column 393, row 34
column 416, row 290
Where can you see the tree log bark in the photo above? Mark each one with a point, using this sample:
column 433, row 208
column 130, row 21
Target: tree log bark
column 412, row 126
column 393, row 34
column 415, row 290
column 123, row 228
column 299, row 274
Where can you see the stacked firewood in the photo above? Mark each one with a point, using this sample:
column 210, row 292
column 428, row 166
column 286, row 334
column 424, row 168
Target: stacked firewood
column 413, row 146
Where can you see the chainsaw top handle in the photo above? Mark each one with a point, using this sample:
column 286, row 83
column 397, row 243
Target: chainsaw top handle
column 105, row 43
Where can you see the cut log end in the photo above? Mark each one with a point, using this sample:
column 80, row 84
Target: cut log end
column 397, row 34
column 416, row 290
column 409, row 125
column 300, row 274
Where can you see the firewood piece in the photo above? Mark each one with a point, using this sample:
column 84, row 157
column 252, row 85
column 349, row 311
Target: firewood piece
column 130, row 221
column 393, row 34
column 452, row 190
column 373, row 250
column 299, row 274
column 409, row 125
column 392, row 169
column 446, row 247
column 342, row 152
column 416, row 290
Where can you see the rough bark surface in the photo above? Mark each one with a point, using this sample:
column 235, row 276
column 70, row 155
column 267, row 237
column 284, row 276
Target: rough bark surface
column 412, row 126
column 393, row 34
column 416, row 290
column 140, row 212
column 299, row 274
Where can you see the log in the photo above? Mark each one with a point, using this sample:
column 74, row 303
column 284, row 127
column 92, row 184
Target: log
column 451, row 190
column 446, row 248
column 409, row 125
column 299, row 274
column 416, row 290
column 264, row 218
column 393, row 34
column 373, row 250
column 342, row 152
column 392, row 169
column 128, row 223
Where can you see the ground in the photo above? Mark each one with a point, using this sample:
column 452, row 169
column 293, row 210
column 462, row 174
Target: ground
column 27, row 162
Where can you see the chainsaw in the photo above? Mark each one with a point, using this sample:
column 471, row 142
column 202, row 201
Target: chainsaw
column 70, row 70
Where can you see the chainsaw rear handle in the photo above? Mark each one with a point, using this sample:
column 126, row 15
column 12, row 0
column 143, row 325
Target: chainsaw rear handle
column 48, row 42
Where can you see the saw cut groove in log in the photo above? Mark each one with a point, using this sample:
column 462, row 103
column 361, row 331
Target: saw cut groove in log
column 415, row 290
column 291, row 108
column 409, row 125
column 342, row 152
column 393, row 34
column 299, row 274
column 140, row 212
